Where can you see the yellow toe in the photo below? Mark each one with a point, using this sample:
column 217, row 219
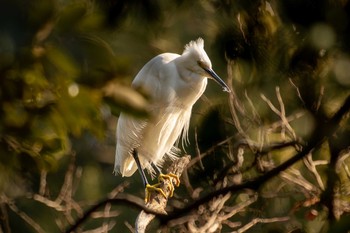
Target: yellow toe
column 170, row 177
column 174, row 180
column 152, row 188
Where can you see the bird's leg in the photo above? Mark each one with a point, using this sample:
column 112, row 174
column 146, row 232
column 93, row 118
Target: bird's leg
column 168, row 176
column 148, row 188
column 142, row 173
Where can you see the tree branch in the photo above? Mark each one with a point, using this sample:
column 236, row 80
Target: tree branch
column 158, row 202
column 121, row 199
column 149, row 210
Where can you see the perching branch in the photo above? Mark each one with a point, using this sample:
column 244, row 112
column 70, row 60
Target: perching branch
column 158, row 202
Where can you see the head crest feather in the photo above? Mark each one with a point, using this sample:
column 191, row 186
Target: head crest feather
column 194, row 45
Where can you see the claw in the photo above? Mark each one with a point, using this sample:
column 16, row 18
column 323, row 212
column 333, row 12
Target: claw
column 155, row 188
column 168, row 176
column 152, row 188
column 171, row 185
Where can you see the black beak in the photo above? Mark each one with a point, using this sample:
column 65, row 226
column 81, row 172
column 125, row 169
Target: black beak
column 217, row 79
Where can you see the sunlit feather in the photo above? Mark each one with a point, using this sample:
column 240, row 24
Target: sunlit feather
column 174, row 82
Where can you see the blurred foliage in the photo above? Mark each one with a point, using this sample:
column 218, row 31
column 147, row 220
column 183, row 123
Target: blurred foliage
column 53, row 65
column 65, row 69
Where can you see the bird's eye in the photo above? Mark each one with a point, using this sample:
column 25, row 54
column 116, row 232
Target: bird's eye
column 201, row 64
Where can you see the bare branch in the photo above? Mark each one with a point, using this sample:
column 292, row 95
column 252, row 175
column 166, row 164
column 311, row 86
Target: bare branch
column 118, row 189
column 42, row 187
column 255, row 113
column 198, row 152
column 311, row 165
column 233, row 103
column 106, row 227
column 260, row 220
column 298, row 91
column 282, row 114
column 319, row 101
column 121, row 199
column 209, row 151
column 294, row 176
column 52, row 204
column 22, row 214
column 341, row 162
column 4, row 219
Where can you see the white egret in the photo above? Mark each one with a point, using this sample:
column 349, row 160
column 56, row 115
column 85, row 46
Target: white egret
column 175, row 82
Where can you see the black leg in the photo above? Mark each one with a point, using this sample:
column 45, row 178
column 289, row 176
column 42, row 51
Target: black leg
column 142, row 173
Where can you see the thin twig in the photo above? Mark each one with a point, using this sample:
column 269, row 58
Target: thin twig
column 198, row 152
column 42, row 187
column 320, row 97
column 4, row 219
column 121, row 199
column 209, row 151
column 311, row 165
column 295, row 177
column 23, row 215
column 281, row 113
column 260, row 220
column 254, row 111
column 233, row 104
column 297, row 90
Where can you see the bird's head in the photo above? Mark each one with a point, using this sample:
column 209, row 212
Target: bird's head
column 197, row 61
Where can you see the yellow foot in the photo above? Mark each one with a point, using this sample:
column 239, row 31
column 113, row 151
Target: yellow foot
column 155, row 188
column 152, row 188
column 169, row 176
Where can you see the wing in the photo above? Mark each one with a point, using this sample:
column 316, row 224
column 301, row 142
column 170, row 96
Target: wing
column 129, row 136
column 155, row 77
column 176, row 130
column 130, row 130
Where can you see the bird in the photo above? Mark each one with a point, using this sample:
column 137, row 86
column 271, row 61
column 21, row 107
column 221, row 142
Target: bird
column 175, row 82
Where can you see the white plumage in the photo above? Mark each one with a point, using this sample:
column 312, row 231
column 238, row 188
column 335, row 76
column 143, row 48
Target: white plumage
column 175, row 82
